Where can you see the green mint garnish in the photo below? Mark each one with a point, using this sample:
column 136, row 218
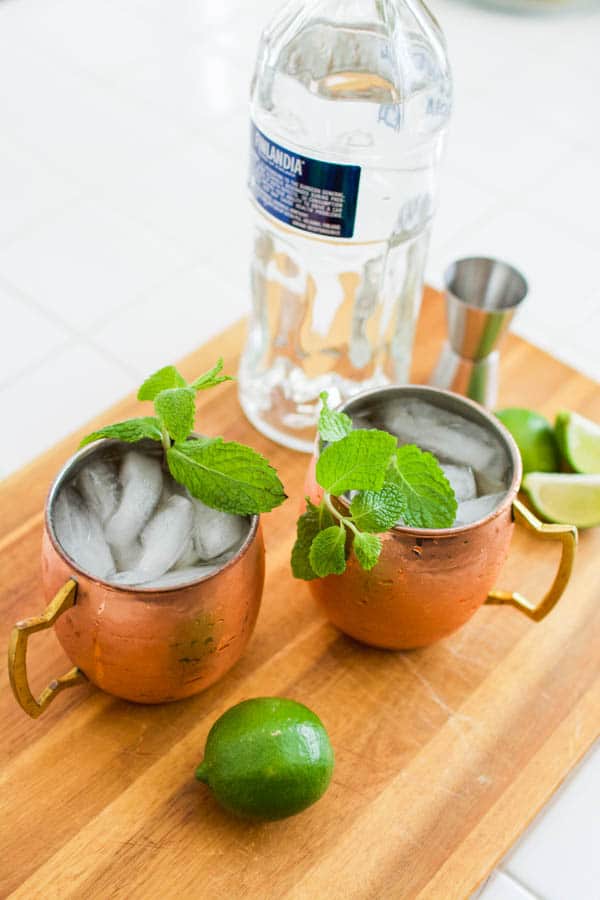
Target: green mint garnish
column 131, row 431
column 367, row 548
column 328, row 551
column 333, row 426
column 377, row 511
column 211, row 378
column 226, row 476
column 314, row 520
column 357, row 462
column 392, row 486
column 428, row 503
column 176, row 408
column 163, row 380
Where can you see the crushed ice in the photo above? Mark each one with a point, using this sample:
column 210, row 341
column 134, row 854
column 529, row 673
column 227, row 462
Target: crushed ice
column 132, row 524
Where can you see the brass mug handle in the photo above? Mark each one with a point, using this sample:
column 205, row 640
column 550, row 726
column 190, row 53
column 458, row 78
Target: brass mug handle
column 567, row 535
column 17, row 655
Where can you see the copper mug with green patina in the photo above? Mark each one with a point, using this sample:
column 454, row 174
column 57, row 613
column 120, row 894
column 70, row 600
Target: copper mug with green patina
column 148, row 645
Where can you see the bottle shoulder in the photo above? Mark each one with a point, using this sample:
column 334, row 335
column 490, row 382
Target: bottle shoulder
column 374, row 50
column 358, row 77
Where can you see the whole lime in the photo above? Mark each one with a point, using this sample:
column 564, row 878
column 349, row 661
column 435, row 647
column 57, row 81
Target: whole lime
column 534, row 437
column 267, row 758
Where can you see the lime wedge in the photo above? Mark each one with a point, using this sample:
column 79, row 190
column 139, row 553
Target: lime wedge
column 568, row 499
column 579, row 441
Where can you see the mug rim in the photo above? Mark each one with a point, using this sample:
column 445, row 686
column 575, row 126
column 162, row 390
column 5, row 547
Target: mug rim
column 493, row 423
column 57, row 483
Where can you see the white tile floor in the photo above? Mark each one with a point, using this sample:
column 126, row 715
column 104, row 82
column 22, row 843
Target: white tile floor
column 123, row 129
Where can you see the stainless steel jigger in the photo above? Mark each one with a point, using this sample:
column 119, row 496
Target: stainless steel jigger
column 482, row 296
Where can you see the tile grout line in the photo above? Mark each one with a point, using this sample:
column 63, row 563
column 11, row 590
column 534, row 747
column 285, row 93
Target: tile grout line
column 506, row 201
column 18, row 294
column 42, row 361
column 85, row 336
column 89, row 192
column 110, row 357
column 508, row 874
column 146, row 293
column 41, row 219
column 73, row 338
column 111, row 85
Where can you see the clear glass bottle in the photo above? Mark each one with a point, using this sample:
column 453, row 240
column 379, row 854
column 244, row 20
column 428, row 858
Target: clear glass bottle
column 350, row 103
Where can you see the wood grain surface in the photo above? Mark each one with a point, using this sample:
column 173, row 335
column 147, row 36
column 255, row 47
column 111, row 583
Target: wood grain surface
column 444, row 755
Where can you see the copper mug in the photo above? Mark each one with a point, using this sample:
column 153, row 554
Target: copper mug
column 142, row 644
column 429, row 582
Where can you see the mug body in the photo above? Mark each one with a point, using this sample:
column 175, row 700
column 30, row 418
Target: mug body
column 154, row 646
column 427, row 582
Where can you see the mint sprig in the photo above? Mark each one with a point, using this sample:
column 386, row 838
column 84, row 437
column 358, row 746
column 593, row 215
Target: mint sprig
column 163, row 380
column 391, row 486
column 225, row 475
column 176, row 409
column 314, row 520
column 367, row 548
column 328, row 551
column 423, row 487
column 376, row 511
column 212, row 378
column 333, row 426
column 131, row 431
column 356, row 462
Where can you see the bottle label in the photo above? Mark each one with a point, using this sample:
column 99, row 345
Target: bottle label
column 309, row 194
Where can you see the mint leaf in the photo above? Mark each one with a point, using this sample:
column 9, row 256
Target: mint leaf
column 314, row 520
column 176, row 409
column 328, row 552
column 211, row 378
column 333, row 426
column 428, row 499
column 356, row 462
column 130, row 431
column 378, row 510
column 367, row 548
column 226, row 476
column 163, row 380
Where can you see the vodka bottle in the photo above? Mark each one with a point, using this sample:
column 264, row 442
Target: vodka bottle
column 350, row 104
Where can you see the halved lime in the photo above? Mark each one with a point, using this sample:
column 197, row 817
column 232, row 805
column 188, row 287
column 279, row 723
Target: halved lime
column 534, row 437
column 568, row 499
column 579, row 442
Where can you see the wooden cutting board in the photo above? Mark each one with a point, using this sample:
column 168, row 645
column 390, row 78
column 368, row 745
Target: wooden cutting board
column 444, row 755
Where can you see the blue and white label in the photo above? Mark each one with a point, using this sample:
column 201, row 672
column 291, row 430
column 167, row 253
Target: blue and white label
column 309, row 194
